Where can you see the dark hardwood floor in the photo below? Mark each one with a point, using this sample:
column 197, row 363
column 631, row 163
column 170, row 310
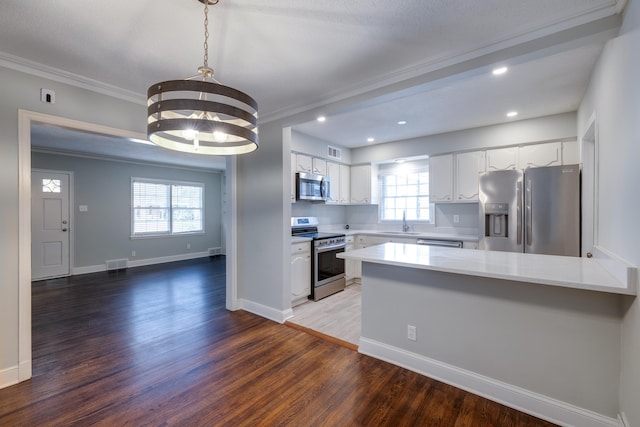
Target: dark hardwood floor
column 154, row 346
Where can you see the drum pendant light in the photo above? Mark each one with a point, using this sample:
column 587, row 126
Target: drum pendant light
column 199, row 115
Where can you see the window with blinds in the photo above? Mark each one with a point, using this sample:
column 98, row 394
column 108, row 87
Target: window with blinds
column 166, row 208
column 404, row 190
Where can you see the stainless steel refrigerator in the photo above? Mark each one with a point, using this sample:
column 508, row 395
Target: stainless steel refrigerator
column 536, row 210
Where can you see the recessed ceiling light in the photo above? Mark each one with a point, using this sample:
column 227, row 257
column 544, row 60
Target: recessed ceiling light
column 402, row 122
column 370, row 139
column 512, row 113
column 321, row 119
column 498, row 71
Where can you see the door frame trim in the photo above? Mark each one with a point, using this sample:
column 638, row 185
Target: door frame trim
column 71, row 227
column 25, row 119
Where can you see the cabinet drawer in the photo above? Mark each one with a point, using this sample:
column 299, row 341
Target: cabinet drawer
column 301, row 247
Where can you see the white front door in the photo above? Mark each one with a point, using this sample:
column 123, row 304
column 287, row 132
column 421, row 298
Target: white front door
column 49, row 224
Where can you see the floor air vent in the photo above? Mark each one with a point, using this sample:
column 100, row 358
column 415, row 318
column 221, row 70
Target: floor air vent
column 117, row 264
column 215, row 251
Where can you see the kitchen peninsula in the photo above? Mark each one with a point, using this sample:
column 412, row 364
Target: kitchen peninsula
column 537, row 332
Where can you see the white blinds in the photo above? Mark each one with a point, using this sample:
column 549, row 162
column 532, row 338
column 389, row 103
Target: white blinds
column 160, row 208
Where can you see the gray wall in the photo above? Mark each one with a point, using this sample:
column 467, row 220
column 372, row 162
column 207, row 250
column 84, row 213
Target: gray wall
column 559, row 126
column 614, row 97
column 103, row 232
column 22, row 91
column 559, row 342
column 316, row 147
column 264, row 225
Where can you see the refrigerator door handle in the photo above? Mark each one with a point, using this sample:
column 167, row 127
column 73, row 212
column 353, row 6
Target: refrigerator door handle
column 528, row 213
column 519, row 213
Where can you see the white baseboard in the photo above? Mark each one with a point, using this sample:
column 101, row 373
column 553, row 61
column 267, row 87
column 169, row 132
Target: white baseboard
column 623, row 421
column 141, row 262
column 523, row 400
column 9, row 376
column 264, row 311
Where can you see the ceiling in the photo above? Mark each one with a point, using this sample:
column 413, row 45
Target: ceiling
column 365, row 64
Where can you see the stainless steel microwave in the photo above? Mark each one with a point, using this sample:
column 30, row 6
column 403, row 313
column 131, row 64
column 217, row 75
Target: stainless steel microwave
column 312, row 187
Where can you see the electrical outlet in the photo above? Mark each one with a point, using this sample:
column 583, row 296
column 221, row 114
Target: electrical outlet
column 456, row 219
column 133, row 253
column 188, row 245
column 412, row 333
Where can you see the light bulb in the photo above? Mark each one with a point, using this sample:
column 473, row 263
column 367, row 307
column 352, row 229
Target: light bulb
column 190, row 134
column 219, row 136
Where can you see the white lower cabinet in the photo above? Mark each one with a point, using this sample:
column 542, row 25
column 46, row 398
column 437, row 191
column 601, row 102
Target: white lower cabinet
column 300, row 272
column 350, row 266
column 470, row 245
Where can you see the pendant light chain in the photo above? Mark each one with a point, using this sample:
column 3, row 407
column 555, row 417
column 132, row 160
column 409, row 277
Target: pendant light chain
column 206, row 33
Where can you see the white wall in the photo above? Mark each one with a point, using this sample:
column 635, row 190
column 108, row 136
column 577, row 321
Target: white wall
column 614, row 97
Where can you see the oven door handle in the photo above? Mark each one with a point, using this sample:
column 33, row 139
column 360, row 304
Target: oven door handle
column 330, row 247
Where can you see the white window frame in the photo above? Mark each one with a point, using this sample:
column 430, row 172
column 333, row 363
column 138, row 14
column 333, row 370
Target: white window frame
column 170, row 232
column 418, row 166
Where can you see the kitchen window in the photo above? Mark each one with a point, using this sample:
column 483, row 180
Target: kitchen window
column 404, row 187
column 165, row 208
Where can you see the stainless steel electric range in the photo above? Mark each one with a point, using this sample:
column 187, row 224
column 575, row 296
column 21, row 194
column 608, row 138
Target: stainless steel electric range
column 327, row 271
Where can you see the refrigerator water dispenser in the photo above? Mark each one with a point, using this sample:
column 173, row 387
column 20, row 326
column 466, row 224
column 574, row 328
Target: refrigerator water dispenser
column 496, row 220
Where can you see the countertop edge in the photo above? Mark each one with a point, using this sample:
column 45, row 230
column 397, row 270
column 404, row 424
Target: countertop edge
column 622, row 289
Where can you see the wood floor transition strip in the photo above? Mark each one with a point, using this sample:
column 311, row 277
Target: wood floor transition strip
column 320, row 335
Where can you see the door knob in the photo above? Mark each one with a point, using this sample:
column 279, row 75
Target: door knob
column 64, row 221
column 64, row 229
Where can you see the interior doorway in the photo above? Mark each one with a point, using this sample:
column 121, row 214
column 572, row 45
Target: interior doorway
column 25, row 121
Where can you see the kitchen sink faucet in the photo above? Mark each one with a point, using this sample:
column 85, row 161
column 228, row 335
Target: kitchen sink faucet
column 405, row 226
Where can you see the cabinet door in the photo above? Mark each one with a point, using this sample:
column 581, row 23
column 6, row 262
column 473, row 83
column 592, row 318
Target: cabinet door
column 502, row 159
column 293, row 177
column 333, row 172
column 300, row 271
column 468, row 166
column 345, row 184
column 303, row 163
column 361, row 184
column 441, row 178
column 570, row 153
column 319, row 166
column 540, row 155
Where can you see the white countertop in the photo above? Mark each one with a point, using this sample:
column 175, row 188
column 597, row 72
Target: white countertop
column 569, row 272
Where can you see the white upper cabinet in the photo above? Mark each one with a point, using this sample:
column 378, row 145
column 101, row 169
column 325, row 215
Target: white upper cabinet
column 319, row 166
column 540, row 155
column 468, row 167
column 333, row 172
column 502, row 159
column 441, row 178
column 345, row 185
column 361, row 184
column 570, row 153
column 303, row 163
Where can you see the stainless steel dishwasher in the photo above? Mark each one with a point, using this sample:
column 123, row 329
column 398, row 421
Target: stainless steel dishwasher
column 442, row 243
